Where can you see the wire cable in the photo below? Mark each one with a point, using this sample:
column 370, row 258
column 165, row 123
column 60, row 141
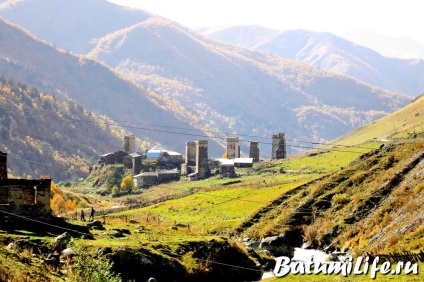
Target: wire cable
column 192, row 134
column 44, row 223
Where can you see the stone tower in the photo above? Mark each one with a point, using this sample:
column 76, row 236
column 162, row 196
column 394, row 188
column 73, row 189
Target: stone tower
column 129, row 143
column 202, row 166
column 233, row 148
column 254, row 151
column 3, row 165
column 190, row 156
column 279, row 146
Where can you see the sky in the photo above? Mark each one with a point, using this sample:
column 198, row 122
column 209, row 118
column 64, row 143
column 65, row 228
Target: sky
column 393, row 18
column 390, row 27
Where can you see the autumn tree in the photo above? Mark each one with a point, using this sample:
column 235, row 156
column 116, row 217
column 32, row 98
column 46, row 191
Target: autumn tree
column 127, row 183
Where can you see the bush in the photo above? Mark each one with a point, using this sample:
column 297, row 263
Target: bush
column 419, row 188
column 86, row 267
column 340, row 199
column 127, row 183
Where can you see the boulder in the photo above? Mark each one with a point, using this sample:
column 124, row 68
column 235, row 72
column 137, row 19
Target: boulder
column 332, row 257
column 277, row 246
column 12, row 246
column 133, row 221
column 252, row 245
column 68, row 252
column 61, row 241
column 97, row 224
column 104, row 251
column 122, row 230
column 117, row 233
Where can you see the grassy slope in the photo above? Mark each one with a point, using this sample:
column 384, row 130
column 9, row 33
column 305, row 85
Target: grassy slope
column 406, row 121
column 219, row 205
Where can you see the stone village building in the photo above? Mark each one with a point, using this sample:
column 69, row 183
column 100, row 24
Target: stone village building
column 147, row 179
column 23, row 197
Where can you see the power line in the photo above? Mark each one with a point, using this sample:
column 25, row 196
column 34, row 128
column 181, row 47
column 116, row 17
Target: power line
column 88, row 234
column 44, row 223
column 16, row 158
column 190, row 134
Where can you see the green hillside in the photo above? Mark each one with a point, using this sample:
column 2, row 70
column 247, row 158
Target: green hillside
column 404, row 123
column 358, row 199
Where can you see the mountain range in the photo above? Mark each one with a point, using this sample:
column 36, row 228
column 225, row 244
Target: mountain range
column 169, row 75
column 88, row 82
column 330, row 52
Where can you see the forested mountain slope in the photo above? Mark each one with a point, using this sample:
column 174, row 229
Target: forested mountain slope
column 88, row 82
column 43, row 136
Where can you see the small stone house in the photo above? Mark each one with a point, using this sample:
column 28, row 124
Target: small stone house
column 23, row 197
column 227, row 170
column 147, row 179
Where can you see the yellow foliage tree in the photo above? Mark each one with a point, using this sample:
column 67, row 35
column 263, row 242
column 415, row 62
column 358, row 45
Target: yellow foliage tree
column 71, row 205
column 128, row 183
column 58, row 203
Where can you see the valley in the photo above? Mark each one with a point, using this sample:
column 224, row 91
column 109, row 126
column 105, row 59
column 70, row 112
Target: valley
column 358, row 191
column 134, row 148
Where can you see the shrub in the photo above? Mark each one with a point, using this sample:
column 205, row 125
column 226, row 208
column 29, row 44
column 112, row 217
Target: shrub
column 419, row 188
column 127, row 183
column 340, row 199
column 86, row 267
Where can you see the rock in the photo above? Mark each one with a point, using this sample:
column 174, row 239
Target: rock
column 52, row 259
column 104, row 251
column 122, row 230
column 277, row 246
column 133, row 221
column 332, row 257
column 173, row 227
column 117, row 234
column 11, row 246
column 310, row 245
column 181, row 225
column 252, row 245
column 61, row 241
column 265, row 252
column 68, row 252
column 97, row 224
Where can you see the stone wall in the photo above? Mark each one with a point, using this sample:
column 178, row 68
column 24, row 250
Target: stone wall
column 166, row 176
column 146, row 179
column 227, row 170
column 29, row 198
column 114, row 158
